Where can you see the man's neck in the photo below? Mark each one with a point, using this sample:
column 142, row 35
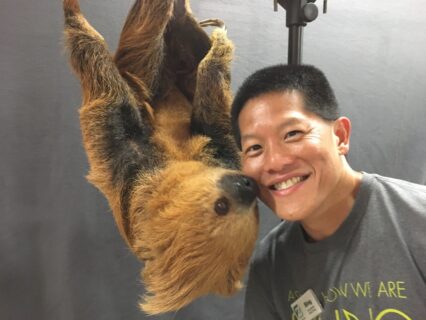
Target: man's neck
column 326, row 222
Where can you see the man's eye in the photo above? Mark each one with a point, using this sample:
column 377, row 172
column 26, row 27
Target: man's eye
column 253, row 148
column 293, row 134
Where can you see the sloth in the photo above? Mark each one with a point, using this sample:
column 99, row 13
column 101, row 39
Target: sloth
column 156, row 129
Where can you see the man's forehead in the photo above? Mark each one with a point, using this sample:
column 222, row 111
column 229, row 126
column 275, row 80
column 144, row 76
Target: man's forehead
column 265, row 113
column 279, row 123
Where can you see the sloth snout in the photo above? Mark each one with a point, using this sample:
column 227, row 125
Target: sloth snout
column 239, row 188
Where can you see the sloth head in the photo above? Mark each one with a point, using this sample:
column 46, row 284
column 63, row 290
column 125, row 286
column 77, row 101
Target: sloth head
column 195, row 228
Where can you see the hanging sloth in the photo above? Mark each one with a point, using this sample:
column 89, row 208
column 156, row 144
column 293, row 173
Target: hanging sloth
column 156, row 128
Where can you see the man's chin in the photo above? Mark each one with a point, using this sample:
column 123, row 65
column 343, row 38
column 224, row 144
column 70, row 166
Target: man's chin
column 290, row 214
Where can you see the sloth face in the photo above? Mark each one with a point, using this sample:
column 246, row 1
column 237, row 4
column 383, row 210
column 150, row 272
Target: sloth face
column 196, row 231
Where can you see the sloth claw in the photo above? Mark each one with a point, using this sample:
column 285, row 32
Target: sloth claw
column 213, row 23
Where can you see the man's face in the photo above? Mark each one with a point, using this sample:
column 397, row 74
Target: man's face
column 294, row 155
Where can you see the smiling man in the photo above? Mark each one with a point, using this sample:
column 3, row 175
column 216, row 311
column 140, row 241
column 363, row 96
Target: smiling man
column 349, row 240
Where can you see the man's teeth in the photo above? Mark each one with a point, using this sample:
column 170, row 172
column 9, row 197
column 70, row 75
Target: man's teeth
column 287, row 184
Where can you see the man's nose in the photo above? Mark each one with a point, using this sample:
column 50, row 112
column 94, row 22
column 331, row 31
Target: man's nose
column 277, row 159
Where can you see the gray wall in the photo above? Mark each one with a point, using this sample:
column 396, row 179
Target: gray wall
column 60, row 254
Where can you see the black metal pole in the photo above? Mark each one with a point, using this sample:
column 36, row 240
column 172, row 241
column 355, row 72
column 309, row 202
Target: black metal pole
column 295, row 35
column 299, row 13
column 295, row 26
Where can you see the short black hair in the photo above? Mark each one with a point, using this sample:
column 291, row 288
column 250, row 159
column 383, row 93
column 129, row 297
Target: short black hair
column 309, row 81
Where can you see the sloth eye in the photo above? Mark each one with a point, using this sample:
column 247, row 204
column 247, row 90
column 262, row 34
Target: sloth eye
column 221, row 206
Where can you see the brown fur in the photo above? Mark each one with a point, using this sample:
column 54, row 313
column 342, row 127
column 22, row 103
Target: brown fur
column 156, row 129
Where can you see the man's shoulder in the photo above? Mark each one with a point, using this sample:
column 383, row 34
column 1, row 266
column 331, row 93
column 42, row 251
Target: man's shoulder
column 399, row 190
column 398, row 183
column 403, row 201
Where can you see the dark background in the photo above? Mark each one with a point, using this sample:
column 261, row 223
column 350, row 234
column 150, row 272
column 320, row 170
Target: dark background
column 61, row 256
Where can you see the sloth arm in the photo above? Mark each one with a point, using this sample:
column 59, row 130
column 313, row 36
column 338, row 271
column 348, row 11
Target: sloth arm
column 116, row 132
column 212, row 101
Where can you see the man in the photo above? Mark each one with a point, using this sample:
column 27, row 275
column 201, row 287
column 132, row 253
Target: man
column 353, row 242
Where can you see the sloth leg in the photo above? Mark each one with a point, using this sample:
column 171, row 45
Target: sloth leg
column 140, row 53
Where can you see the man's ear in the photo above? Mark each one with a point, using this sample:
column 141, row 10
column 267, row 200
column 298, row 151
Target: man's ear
column 342, row 131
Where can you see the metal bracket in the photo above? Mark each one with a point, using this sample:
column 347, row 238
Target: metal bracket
column 298, row 14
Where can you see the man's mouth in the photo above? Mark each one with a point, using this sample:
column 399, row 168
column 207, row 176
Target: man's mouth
column 288, row 183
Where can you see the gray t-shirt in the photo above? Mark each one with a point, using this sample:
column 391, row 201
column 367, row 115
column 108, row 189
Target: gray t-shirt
column 372, row 268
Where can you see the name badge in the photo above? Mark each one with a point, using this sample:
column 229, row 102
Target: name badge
column 307, row 306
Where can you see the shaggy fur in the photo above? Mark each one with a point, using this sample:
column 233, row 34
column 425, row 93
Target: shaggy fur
column 156, row 129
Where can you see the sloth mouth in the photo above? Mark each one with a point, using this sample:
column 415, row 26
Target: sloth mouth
column 286, row 184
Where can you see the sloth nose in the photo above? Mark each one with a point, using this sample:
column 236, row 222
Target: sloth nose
column 240, row 188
